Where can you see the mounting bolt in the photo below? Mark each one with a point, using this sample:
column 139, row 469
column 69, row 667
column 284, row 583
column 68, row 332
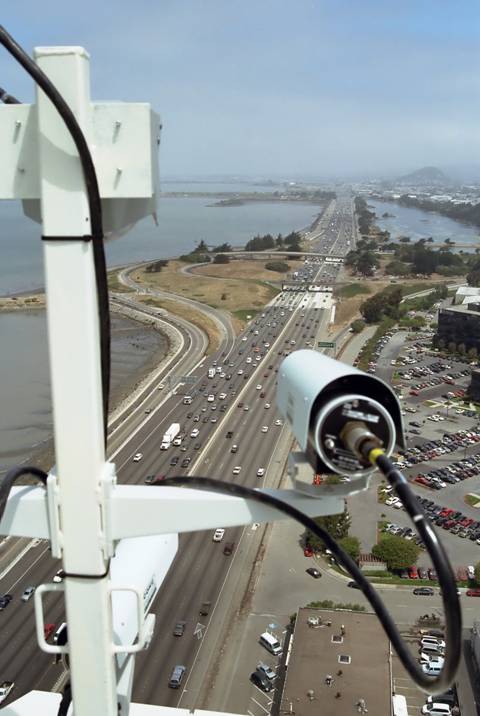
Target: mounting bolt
column 329, row 443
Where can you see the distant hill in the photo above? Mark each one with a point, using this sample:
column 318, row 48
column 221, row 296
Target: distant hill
column 428, row 176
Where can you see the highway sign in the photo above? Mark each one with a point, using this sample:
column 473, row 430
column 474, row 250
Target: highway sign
column 326, row 344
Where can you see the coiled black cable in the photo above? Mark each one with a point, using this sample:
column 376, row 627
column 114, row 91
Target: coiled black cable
column 432, row 685
column 94, row 204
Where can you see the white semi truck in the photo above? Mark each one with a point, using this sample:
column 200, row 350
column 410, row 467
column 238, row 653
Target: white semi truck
column 170, row 436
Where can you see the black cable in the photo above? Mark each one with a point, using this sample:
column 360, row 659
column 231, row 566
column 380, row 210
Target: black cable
column 432, row 685
column 8, row 98
column 12, row 476
column 66, row 700
column 94, row 203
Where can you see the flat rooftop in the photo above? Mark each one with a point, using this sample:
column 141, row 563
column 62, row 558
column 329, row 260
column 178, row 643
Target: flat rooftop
column 321, row 651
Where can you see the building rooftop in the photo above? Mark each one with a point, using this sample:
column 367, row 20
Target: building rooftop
column 463, row 308
column 358, row 662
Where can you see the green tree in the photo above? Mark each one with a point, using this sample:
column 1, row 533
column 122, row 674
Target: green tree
column 462, row 348
column 221, row 259
column 357, row 326
column 396, row 552
column 473, row 278
column 472, row 353
column 372, row 309
column 222, row 248
column 335, row 525
column 351, row 545
column 452, row 347
column 278, row 266
column 201, row 246
column 367, row 262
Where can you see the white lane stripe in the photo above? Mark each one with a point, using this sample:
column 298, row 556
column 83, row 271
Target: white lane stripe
column 17, row 559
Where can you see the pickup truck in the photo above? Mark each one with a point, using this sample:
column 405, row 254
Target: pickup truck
column 5, row 688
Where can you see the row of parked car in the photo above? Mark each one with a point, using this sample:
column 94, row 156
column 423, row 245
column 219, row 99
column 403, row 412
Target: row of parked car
column 435, row 448
column 457, row 471
column 452, row 520
column 431, row 658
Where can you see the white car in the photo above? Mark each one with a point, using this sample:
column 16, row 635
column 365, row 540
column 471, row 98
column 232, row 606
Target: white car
column 240, row 372
column 249, row 360
column 210, row 398
column 244, row 338
column 278, row 423
column 160, row 387
column 437, row 709
column 264, row 429
column 245, row 407
column 137, row 457
column 267, row 405
column 260, row 472
column 218, row 535
column 236, row 470
column 259, row 387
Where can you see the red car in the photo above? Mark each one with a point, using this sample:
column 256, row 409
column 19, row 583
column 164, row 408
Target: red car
column 473, row 592
column 48, row 630
column 413, row 573
column 422, row 481
column 308, row 551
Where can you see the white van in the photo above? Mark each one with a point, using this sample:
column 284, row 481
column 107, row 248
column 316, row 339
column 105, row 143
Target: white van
column 270, row 643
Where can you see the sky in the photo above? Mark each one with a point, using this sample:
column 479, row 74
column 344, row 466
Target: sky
column 278, row 88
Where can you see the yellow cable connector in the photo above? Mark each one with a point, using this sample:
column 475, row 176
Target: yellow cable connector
column 374, row 454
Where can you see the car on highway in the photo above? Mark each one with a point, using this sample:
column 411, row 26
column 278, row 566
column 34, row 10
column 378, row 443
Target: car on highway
column 160, row 387
column 245, row 407
column 259, row 387
column 228, row 549
column 5, row 601
column 148, row 411
column 176, row 676
column 353, row 585
column 174, row 460
column 314, row 572
column 137, row 457
column 260, row 472
column 236, row 470
column 266, row 406
column 154, row 479
column 264, row 429
column 219, row 534
column 179, row 629
column 278, row 423
column 195, row 432
column 229, row 434
column 27, row 594
column 198, row 446
column 234, row 448
column 186, row 461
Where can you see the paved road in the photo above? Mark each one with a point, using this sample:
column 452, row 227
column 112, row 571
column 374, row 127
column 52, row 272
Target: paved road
column 200, row 569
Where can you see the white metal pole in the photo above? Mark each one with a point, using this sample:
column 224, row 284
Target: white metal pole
column 76, row 382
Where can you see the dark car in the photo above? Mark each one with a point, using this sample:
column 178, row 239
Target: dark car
column 5, row 601
column 313, row 572
column 424, row 591
column 186, row 461
column 154, row 479
column 179, row 629
column 229, row 547
column 174, row 460
column 229, row 434
column 205, row 608
column 259, row 679
column 353, row 585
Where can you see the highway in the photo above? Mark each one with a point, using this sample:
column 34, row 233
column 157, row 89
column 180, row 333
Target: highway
column 291, row 321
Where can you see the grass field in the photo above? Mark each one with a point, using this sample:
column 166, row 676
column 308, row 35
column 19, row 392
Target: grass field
column 250, row 270
column 229, row 294
column 352, row 289
column 189, row 314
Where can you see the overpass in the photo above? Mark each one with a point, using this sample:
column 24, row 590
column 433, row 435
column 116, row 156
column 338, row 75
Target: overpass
column 273, row 253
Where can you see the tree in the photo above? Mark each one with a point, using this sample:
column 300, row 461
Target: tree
column 221, row 259
column 396, row 552
column 335, row 525
column 222, row 248
column 372, row 309
column 278, row 266
column 201, row 246
column 472, row 353
column 357, row 326
column 367, row 262
column 351, row 545
column 462, row 348
column 473, row 278
column 477, row 573
column 452, row 347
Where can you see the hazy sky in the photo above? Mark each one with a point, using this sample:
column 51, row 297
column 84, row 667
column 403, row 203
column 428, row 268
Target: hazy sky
column 272, row 87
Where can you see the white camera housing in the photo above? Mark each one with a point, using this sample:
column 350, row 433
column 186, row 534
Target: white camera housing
column 318, row 395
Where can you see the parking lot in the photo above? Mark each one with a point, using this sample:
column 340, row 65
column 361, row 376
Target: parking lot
column 442, row 434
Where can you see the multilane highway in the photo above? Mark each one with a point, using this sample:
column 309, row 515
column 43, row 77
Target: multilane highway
column 200, row 568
